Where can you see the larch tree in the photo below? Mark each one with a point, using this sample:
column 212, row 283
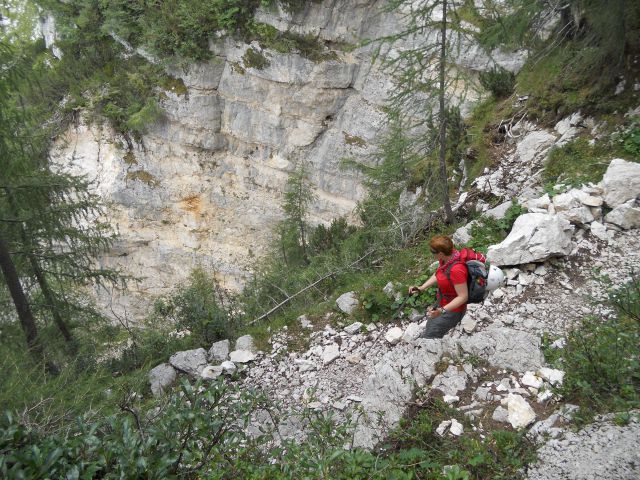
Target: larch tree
column 50, row 233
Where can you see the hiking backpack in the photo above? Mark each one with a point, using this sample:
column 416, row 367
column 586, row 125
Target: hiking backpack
column 477, row 273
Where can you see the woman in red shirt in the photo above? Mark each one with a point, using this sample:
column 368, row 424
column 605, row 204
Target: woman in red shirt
column 452, row 289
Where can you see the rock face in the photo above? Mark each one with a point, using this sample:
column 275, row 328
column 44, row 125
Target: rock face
column 205, row 184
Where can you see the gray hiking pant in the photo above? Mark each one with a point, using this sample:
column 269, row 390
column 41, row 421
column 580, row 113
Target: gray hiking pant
column 439, row 326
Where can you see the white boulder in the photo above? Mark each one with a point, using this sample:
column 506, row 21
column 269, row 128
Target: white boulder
column 228, row 367
column 551, row 375
column 500, row 211
column 534, row 237
column 456, row 428
column 348, row 302
column 443, row 427
column 211, row 372
column 246, row 343
column 572, row 206
column 621, row 182
column 161, row 378
column 330, row 353
column 191, row 362
column 626, row 215
column 530, row 379
column 520, row 412
column 394, row 335
column 353, row 328
column 219, row 351
column 242, row 356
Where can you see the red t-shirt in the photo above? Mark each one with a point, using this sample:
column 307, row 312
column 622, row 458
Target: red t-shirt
column 458, row 275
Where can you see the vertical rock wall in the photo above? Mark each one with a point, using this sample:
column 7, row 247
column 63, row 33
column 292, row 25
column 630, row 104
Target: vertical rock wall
column 204, row 186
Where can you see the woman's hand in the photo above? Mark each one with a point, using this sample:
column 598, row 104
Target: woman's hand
column 414, row 290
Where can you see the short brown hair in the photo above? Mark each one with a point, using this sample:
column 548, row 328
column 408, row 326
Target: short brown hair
column 442, row 244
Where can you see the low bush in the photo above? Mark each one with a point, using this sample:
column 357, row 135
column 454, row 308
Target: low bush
column 202, row 431
column 601, row 357
column 201, row 307
column 627, row 138
column 196, row 431
column 499, row 81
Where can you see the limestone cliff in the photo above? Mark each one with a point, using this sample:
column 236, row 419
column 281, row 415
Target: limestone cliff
column 204, row 185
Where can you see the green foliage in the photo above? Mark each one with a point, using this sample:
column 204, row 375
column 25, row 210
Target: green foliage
column 174, row 28
column 308, row 46
column 580, row 64
column 380, row 307
column 290, row 6
column 298, row 197
column 577, row 162
column 600, row 357
column 252, row 58
column 501, row 455
column 498, row 81
column 489, row 231
column 202, row 308
column 628, row 138
column 508, row 23
column 192, row 434
column 323, row 239
column 83, row 386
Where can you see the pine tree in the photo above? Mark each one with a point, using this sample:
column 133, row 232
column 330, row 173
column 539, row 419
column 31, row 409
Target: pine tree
column 49, row 233
column 298, row 197
column 425, row 76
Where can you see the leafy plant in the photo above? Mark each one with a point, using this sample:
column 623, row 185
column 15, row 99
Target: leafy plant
column 499, row 81
column 201, row 307
column 628, row 137
column 252, row 58
column 600, row 357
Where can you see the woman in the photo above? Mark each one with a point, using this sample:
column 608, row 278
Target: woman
column 452, row 288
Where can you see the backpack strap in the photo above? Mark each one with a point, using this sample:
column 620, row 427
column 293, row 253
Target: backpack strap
column 447, row 272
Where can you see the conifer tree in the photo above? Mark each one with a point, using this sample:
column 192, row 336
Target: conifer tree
column 298, row 197
column 425, row 76
column 49, row 232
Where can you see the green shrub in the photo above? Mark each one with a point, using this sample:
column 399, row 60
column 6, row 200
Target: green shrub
column 190, row 434
column 501, row 455
column 628, row 138
column 201, row 307
column 499, row 81
column 601, row 357
column 252, row 58
column 323, row 239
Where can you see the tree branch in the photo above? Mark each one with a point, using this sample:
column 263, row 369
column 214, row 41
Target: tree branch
column 287, row 300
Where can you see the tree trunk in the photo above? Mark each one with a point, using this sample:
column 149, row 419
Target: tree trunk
column 39, row 274
column 448, row 214
column 27, row 321
column 50, row 299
